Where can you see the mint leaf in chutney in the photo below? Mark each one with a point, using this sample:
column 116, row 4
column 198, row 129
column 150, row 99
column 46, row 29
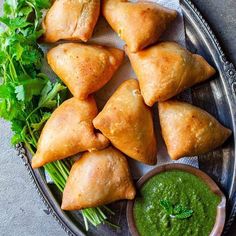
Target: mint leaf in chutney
column 167, row 206
column 175, row 203
column 178, row 211
column 184, row 214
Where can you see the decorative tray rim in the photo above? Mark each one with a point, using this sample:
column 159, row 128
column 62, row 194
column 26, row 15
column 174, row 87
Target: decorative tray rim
column 226, row 69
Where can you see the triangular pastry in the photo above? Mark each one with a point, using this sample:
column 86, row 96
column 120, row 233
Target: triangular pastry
column 188, row 130
column 84, row 68
column 71, row 20
column 128, row 123
column 98, row 178
column 139, row 24
column 69, row 131
column 166, row 69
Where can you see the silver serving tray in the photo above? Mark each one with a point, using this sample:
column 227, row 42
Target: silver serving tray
column 217, row 97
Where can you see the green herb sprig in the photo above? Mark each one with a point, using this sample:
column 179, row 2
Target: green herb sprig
column 27, row 96
column 178, row 211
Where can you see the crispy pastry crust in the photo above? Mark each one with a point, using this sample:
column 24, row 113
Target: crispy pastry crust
column 98, row 178
column 139, row 24
column 84, row 68
column 128, row 123
column 166, row 69
column 71, row 20
column 69, row 131
column 188, row 130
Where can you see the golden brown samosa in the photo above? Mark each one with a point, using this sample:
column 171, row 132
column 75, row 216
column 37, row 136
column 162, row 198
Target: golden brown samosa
column 84, row 68
column 128, row 123
column 139, row 24
column 69, row 131
column 98, row 178
column 166, row 69
column 188, row 130
column 71, row 20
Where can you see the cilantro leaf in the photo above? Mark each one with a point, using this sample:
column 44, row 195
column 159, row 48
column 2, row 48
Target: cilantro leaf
column 14, row 23
column 25, row 11
column 31, row 56
column 17, row 51
column 7, row 8
column 11, row 109
column 6, row 91
column 49, row 95
column 38, row 126
column 20, row 92
column 42, row 3
column 16, row 138
column 3, row 58
column 29, row 88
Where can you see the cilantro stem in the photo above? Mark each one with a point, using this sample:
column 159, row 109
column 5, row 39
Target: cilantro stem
column 4, row 74
column 58, row 165
column 23, row 69
column 85, row 222
column 108, row 210
column 36, row 21
column 32, row 134
column 12, row 68
column 54, row 179
column 32, row 112
column 112, row 225
column 63, row 169
column 28, row 146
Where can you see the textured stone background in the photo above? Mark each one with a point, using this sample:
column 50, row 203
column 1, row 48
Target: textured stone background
column 21, row 210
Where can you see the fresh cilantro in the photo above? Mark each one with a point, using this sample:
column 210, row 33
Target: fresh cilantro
column 48, row 97
column 38, row 126
column 23, row 85
column 6, row 91
column 15, row 23
column 27, row 96
column 29, row 88
column 7, row 8
column 178, row 211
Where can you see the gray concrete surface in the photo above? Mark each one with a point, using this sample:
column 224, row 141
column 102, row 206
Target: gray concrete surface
column 21, row 210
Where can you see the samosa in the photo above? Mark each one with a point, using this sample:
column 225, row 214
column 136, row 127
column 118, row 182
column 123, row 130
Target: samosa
column 188, row 130
column 84, row 68
column 139, row 24
column 128, row 123
column 71, row 20
column 69, row 131
column 98, row 178
column 166, row 69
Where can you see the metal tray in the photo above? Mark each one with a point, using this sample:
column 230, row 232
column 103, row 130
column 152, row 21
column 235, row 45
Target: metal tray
column 217, row 97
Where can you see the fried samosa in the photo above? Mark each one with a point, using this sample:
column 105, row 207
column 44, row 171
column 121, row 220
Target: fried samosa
column 84, row 68
column 139, row 24
column 128, row 123
column 188, row 130
column 68, row 131
column 71, row 20
column 166, row 69
column 98, row 178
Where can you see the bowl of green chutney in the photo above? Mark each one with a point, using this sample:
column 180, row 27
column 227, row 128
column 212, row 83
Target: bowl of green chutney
column 176, row 200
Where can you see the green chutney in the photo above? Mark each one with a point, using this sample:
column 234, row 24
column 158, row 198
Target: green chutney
column 179, row 188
